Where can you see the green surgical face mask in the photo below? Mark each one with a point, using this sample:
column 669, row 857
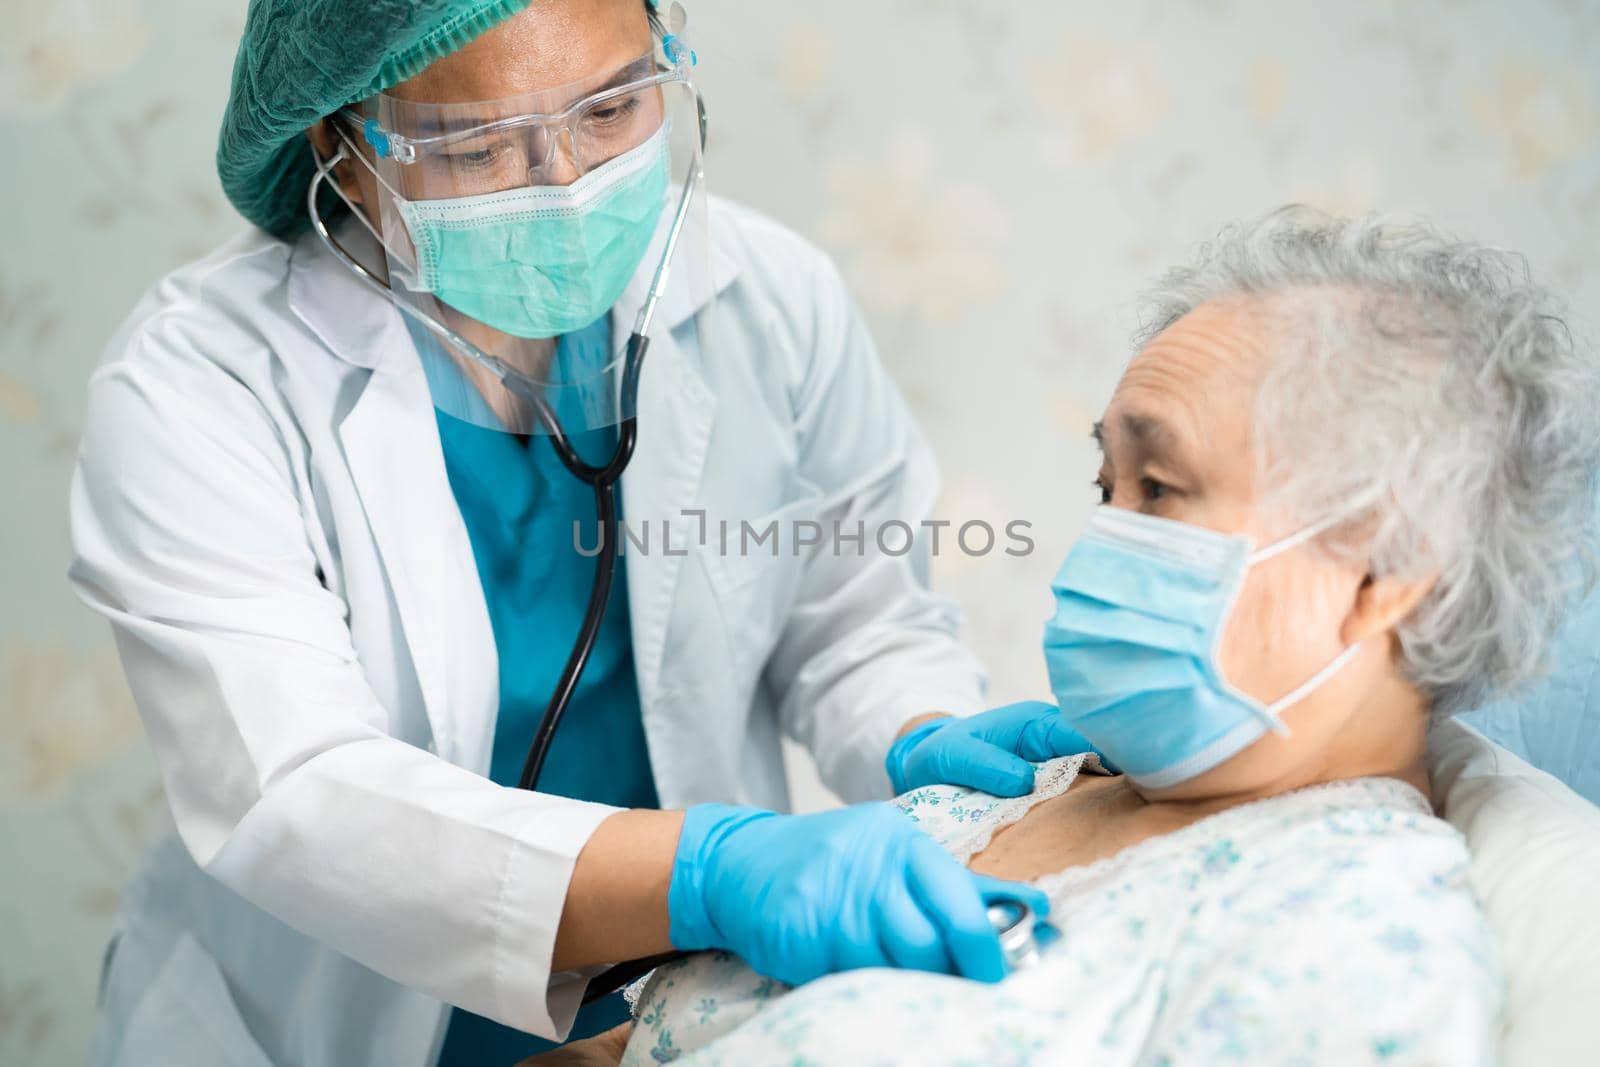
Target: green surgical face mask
column 543, row 260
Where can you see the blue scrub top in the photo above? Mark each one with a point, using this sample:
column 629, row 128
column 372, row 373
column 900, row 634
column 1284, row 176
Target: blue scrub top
column 519, row 505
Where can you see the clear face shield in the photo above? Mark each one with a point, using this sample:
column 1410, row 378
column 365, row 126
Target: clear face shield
column 526, row 239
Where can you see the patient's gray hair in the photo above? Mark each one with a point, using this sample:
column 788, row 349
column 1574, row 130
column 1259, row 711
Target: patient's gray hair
column 1432, row 386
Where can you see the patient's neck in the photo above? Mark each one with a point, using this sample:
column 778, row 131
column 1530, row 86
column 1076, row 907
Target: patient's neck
column 1384, row 736
column 1388, row 739
column 1098, row 817
column 1381, row 734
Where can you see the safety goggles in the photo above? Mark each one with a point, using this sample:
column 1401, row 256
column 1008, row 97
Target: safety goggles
column 549, row 137
column 508, row 228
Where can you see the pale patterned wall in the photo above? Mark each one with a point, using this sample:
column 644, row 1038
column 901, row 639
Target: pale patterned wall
column 996, row 179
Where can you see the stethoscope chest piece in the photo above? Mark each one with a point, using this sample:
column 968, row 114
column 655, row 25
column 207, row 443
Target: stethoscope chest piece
column 1022, row 935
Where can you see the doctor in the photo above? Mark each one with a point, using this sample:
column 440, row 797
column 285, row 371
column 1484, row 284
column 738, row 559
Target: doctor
column 338, row 555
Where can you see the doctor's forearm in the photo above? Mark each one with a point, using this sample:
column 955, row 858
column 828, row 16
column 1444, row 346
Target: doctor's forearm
column 919, row 720
column 616, row 907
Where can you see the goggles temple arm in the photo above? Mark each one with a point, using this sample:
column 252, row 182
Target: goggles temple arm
column 347, row 150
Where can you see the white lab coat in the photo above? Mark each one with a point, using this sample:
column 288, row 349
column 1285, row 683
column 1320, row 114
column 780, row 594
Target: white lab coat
column 262, row 511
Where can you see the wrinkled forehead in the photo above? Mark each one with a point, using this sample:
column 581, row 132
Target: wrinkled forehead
column 1190, row 393
column 549, row 45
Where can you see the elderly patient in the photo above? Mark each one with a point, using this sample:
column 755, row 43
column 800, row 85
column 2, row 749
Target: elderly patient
column 1345, row 489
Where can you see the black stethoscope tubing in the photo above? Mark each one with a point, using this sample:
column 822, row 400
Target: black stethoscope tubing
column 603, row 479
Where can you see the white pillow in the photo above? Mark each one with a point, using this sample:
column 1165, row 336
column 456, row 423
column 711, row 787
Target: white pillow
column 1536, row 867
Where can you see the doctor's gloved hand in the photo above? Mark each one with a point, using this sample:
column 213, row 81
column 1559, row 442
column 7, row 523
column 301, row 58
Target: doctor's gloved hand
column 801, row 896
column 988, row 751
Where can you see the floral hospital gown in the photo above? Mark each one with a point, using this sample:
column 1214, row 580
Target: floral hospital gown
column 1331, row 925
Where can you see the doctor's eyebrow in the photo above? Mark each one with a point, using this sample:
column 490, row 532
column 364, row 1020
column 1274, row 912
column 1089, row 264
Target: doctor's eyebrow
column 635, row 71
column 631, row 72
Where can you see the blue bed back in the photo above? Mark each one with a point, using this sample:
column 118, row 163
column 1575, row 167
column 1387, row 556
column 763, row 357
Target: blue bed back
column 1555, row 725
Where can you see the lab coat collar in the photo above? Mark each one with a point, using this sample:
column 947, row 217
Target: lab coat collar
column 392, row 446
column 342, row 310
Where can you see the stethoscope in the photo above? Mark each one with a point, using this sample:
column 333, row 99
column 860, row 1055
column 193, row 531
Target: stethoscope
column 603, row 478
column 1021, row 936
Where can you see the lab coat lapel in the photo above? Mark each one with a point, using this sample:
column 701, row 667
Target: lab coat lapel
column 395, row 460
column 391, row 445
column 676, row 411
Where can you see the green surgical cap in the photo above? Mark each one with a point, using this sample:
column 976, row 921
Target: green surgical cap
column 301, row 60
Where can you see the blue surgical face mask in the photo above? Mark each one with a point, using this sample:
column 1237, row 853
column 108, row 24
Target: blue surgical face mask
column 1141, row 606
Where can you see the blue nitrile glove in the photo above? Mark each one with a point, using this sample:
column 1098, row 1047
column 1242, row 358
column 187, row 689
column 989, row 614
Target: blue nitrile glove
column 988, row 751
column 801, row 896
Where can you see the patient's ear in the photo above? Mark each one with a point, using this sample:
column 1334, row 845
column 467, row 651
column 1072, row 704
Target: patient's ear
column 1381, row 604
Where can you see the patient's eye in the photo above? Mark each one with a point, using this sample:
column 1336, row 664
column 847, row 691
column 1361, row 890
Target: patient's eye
column 1104, row 489
column 1153, row 490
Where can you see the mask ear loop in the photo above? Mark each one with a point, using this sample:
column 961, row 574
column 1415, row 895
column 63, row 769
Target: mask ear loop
column 1295, row 540
column 1310, row 685
column 1300, row 537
